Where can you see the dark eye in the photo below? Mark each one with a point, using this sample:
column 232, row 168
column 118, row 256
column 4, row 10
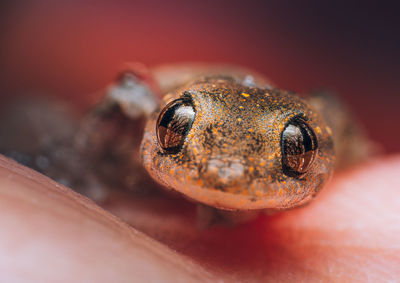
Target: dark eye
column 299, row 147
column 174, row 123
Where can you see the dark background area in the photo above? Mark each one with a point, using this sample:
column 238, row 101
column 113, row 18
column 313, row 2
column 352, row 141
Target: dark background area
column 73, row 48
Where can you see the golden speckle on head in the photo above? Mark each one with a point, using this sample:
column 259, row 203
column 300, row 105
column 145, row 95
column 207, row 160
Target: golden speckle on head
column 245, row 94
column 239, row 119
column 251, row 169
column 262, row 163
column 328, row 130
column 318, row 130
column 251, row 130
column 240, row 106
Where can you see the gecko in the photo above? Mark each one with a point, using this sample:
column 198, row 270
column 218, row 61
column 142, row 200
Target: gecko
column 224, row 137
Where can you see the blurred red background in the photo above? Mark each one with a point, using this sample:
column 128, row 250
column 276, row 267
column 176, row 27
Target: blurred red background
column 73, row 48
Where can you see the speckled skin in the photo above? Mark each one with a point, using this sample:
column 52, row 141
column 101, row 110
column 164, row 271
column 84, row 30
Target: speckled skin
column 231, row 158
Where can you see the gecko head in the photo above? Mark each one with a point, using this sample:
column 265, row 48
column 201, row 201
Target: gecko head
column 235, row 146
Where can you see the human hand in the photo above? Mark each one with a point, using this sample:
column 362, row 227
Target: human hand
column 350, row 232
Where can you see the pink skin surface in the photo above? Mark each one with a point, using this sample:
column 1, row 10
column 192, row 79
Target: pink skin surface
column 349, row 233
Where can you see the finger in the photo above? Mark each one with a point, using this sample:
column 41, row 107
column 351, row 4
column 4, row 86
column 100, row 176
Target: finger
column 51, row 234
column 333, row 238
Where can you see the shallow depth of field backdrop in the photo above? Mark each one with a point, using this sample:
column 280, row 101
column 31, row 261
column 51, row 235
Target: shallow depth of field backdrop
column 73, row 48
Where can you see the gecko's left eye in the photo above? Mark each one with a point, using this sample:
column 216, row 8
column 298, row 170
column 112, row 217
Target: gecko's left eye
column 174, row 123
column 299, row 147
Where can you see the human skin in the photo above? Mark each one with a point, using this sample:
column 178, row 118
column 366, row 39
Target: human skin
column 350, row 232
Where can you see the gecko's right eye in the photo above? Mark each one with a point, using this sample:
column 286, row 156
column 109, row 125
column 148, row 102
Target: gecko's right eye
column 174, row 123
